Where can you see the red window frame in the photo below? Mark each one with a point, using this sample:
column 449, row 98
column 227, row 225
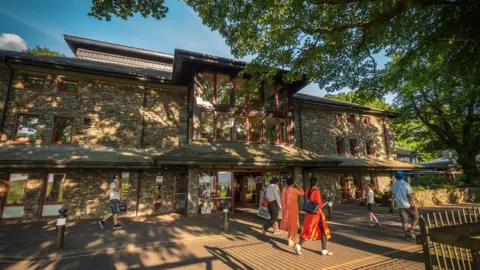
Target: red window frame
column 6, row 186
column 201, row 124
column 247, row 98
column 215, row 121
column 353, row 147
column 279, row 131
column 215, row 90
column 54, row 129
column 366, row 121
column 249, row 128
column 277, row 99
column 340, row 141
column 338, row 117
column 246, row 126
column 44, row 192
column 27, row 86
column 352, row 118
column 17, row 126
column 62, row 90
column 370, row 146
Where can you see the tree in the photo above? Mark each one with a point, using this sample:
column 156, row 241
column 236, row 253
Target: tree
column 335, row 43
column 353, row 97
column 43, row 51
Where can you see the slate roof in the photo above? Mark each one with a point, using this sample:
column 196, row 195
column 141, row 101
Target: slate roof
column 53, row 156
column 232, row 153
column 351, row 162
column 76, row 64
column 326, row 102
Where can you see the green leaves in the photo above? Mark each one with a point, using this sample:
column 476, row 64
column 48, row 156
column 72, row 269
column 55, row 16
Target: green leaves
column 104, row 9
column 43, row 51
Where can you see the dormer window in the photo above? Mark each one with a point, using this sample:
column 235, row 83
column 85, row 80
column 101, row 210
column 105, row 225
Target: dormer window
column 351, row 118
column 366, row 121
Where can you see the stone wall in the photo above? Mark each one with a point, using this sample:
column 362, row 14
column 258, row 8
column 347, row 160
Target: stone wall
column 105, row 113
column 319, row 129
column 192, row 190
column 427, row 198
column 329, row 184
column 4, row 77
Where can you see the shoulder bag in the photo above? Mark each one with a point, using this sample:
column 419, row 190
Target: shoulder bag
column 309, row 206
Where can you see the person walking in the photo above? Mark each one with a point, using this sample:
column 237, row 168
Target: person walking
column 407, row 208
column 370, row 205
column 290, row 220
column 272, row 195
column 314, row 225
column 114, row 203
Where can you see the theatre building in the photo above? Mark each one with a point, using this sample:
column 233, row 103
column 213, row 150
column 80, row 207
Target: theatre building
column 186, row 133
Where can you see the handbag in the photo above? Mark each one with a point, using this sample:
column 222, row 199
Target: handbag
column 309, row 206
column 263, row 201
column 263, row 209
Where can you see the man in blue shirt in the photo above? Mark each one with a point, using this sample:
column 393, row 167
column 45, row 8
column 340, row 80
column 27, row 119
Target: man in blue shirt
column 405, row 203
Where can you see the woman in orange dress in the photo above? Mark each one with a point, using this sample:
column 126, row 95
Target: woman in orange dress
column 290, row 210
column 314, row 225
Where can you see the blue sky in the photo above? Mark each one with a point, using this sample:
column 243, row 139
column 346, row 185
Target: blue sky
column 44, row 23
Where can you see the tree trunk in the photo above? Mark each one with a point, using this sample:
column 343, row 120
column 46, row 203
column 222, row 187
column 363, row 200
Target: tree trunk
column 469, row 166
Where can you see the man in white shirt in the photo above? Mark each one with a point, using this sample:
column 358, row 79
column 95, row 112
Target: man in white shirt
column 114, row 203
column 405, row 203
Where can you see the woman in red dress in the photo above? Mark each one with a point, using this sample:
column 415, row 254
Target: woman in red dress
column 314, row 225
column 290, row 210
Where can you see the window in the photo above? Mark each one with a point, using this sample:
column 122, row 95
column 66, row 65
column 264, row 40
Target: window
column 366, row 121
column 207, row 125
column 158, row 199
column 68, row 86
column 16, row 188
column 338, row 117
column 223, row 127
column 62, row 130
column 223, row 86
column 54, row 188
column 351, row 118
column 247, row 94
column 26, row 128
column 223, row 196
column 206, row 193
column 340, row 146
column 240, row 128
column 370, row 147
column 180, row 192
column 206, row 86
column 283, row 126
column 269, row 97
column 353, row 147
column 124, row 185
column 34, row 82
column 282, row 98
column 270, row 129
column 254, row 129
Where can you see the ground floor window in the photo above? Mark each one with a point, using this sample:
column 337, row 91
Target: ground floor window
column 53, row 194
column 180, row 192
column 158, row 192
column 14, row 195
column 125, row 184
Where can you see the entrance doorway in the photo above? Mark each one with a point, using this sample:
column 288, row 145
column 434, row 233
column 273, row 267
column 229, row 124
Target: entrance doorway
column 248, row 186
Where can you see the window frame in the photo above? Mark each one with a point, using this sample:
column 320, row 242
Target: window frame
column 277, row 100
column 6, row 188
column 339, row 117
column 234, row 139
column 279, row 130
column 44, row 192
column 247, row 103
column 216, row 116
column 155, row 193
column 215, row 87
column 249, row 129
column 355, row 148
column 54, row 129
column 29, row 87
column 212, row 112
column 370, row 147
column 366, row 121
column 352, row 118
column 340, row 141
column 60, row 89
column 17, row 126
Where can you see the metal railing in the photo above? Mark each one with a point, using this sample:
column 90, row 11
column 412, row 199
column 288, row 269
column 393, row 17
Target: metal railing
column 447, row 256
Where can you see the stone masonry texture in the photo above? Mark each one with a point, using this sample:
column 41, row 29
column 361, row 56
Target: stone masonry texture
column 193, row 186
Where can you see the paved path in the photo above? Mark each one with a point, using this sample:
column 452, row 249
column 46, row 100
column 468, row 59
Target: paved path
column 173, row 242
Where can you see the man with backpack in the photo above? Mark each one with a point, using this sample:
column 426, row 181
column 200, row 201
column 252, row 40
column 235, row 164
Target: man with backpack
column 114, row 203
column 407, row 208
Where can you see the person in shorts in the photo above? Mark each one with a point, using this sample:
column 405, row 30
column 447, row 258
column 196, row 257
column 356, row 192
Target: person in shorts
column 370, row 204
column 407, row 208
column 114, row 203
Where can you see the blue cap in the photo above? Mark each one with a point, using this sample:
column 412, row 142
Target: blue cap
column 399, row 175
column 274, row 181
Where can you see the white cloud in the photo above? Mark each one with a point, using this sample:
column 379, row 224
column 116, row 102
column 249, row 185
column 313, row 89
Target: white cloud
column 12, row 42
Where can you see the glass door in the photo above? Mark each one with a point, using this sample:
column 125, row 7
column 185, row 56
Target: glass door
column 14, row 195
column 223, row 196
column 124, row 185
column 180, row 192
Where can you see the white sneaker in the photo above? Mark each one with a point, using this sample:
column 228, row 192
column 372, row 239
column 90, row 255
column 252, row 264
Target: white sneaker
column 298, row 249
column 326, row 253
column 411, row 234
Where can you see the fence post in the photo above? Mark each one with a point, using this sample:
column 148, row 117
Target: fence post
column 426, row 244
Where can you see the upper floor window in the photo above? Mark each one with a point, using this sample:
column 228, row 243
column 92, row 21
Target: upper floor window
column 240, row 128
column 206, row 123
column 62, row 130
column 214, row 88
column 34, row 82
column 270, row 129
column 223, row 127
column 254, row 129
column 370, row 147
column 353, row 147
column 338, row 117
column 246, row 94
column 54, row 188
column 366, row 121
column 283, row 129
column 275, row 97
column 340, row 145
column 351, row 118
column 68, row 86
column 26, row 130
